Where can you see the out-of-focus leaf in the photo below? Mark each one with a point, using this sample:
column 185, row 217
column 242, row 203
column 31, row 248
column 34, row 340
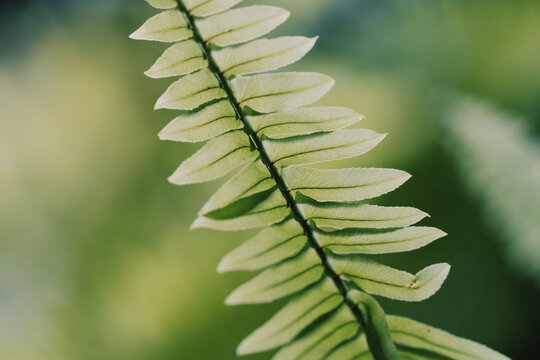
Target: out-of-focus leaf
column 499, row 159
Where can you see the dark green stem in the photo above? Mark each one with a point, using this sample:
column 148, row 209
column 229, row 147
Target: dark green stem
column 274, row 172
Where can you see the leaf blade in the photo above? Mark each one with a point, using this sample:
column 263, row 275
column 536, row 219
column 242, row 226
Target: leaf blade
column 353, row 184
column 167, row 26
column 344, row 216
column 421, row 336
column 252, row 179
column 309, row 149
column 203, row 8
column 240, row 25
column 354, row 349
column 181, row 58
column 317, row 344
column 365, row 242
column 269, row 247
column 207, row 123
column 280, row 280
column 303, row 121
column 377, row 279
column 287, row 323
column 266, row 93
column 162, row 4
column 191, row 91
column 262, row 55
column 267, row 212
column 215, row 159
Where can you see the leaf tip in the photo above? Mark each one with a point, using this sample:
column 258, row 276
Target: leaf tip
column 405, row 175
column 160, row 103
column 135, row 35
column 197, row 224
column 285, row 14
column 224, row 265
column 166, row 133
column 151, row 74
column 162, row 135
column 245, row 348
column 440, row 233
column 233, row 299
column 177, row 178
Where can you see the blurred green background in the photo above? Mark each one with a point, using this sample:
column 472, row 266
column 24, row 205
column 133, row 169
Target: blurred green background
column 96, row 260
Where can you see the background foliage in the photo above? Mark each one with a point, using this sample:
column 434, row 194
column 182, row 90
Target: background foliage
column 95, row 257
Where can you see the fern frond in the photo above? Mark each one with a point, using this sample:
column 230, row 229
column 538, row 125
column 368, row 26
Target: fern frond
column 505, row 162
column 317, row 229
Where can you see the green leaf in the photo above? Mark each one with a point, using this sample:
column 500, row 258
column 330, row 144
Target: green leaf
column 167, row 26
column 262, row 55
column 315, row 148
column 267, row 212
column 415, row 335
column 215, row 159
column 207, row 123
column 182, row 58
column 241, row 25
column 352, row 241
column 280, row 280
column 268, row 93
column 318, row 343
column 162, row 4
column 252, row 179
column 377, row 332
column 191, row 91
column 294, row 317
column 377, row 279
column 244, row 205
column 352, row 215
column 353, row 184
column 303, row 121
column 355, row 349
column 202, row 8
column 270, row 246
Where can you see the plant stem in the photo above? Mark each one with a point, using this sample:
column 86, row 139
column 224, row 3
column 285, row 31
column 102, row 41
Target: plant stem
column 274, row 172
